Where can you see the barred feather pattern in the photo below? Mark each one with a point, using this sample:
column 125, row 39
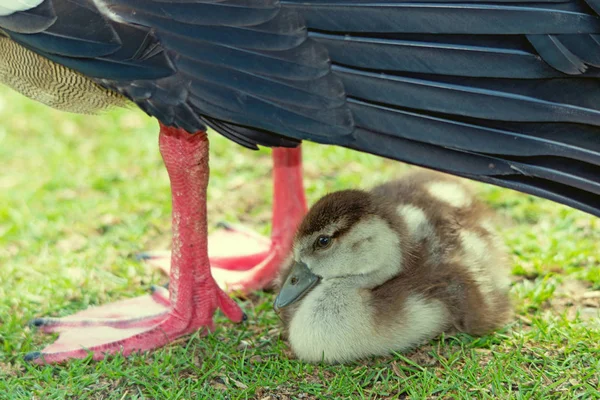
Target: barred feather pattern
column 53, row 84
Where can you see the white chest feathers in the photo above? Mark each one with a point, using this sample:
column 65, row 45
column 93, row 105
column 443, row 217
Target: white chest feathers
column 335, row 324
column 8, row 7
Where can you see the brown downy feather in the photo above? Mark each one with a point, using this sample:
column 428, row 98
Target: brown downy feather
column 435, row 262
column 450, row 281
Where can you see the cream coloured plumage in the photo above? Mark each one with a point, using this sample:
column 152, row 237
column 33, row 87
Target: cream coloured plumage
column 52, row 84
column 391, row 268
column 7, row 7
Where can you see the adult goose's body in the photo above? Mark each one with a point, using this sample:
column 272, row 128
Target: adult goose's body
column 500, row 91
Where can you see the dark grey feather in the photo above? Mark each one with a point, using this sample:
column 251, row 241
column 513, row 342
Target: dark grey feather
column 506, row 92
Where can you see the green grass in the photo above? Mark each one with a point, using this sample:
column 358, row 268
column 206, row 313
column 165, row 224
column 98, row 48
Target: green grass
column 79, row 196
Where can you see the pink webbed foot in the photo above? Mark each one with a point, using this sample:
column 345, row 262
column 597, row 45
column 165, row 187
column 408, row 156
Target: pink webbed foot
column 231, row 248
column 121, row 327
column 241, row 260
column 137, row 312
column 149, row 322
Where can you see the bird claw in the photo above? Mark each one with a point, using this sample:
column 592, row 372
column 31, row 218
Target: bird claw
column 121, row 314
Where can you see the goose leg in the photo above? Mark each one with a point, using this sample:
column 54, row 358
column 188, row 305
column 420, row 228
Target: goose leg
column 256, row 259
column 194, row 294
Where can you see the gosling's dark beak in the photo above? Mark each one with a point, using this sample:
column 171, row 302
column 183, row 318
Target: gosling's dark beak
column 300, row 281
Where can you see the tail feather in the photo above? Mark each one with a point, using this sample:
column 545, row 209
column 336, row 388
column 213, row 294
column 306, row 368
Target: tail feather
column 586, row 47
column 467, row 99
column 526, row 178
column 471, row 138
column 446, row 17
column 473, row 89
column 495, row 58
column 557, row 54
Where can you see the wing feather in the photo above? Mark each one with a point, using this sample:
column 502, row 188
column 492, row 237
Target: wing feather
column 502, row 91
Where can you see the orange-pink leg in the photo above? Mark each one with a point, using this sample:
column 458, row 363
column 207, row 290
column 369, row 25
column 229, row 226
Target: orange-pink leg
column 243, row 261
column 152, row 321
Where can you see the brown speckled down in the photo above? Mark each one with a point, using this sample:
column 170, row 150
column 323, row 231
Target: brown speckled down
column 450, row 256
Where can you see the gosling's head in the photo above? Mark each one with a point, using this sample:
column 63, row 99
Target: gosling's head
column 351, row 238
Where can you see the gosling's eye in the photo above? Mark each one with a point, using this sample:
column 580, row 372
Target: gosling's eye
column 323, row 242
